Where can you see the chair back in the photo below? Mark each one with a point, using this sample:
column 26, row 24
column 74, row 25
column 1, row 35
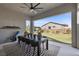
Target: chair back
column 33, row 43
column 23, row 39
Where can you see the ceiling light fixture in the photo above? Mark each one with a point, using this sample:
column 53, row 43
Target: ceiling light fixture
column 33, row 11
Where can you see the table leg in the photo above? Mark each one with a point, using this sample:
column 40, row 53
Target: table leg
column 38, row 50
column 47, row 44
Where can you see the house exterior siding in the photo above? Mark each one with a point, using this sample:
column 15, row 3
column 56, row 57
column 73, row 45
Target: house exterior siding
column 55, row 27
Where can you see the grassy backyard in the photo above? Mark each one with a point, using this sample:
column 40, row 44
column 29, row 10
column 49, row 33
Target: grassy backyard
column 66, row 38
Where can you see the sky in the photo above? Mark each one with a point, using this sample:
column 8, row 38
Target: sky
column 64, row 18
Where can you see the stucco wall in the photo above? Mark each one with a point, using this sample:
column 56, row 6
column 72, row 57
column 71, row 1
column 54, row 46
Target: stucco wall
column 78, row 25
column 10, row 18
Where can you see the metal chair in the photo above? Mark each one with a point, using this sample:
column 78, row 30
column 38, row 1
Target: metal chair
column 26, row 41
column 29, row 42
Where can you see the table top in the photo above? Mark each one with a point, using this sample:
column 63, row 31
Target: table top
column 36, row 39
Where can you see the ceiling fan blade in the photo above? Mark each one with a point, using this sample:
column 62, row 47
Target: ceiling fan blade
column 36, row 5
column 38, row 8
column 26, row 5
column 31, row 5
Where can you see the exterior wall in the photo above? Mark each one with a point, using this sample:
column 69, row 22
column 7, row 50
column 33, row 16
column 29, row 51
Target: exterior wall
column 10, row 18
column 78, row 26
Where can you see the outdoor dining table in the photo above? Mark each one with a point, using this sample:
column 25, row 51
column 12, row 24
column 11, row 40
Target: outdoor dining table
column 36, row 41
column 42, row 40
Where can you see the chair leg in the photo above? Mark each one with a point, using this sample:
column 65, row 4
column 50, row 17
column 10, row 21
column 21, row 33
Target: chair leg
column 34, row 51
column 25, row 49
column 43, row 45
column 29, row 49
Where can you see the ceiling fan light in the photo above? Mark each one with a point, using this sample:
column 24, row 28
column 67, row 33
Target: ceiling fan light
column 33, row 11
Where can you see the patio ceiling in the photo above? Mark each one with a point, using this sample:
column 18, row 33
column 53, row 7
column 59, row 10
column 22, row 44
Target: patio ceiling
column 21, row 8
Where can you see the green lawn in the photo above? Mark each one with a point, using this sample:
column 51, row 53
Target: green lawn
column 66, row 38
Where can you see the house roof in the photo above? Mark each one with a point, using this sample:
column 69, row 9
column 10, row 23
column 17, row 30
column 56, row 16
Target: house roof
column 55, row 23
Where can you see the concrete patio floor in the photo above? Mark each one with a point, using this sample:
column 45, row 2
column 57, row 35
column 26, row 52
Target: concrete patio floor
column 65, row 49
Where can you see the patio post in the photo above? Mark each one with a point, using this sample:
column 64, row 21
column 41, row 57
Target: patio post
column 31, row 26
column 74, row 26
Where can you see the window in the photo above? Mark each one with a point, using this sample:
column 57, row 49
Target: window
column 49, row 27
column 53, row 26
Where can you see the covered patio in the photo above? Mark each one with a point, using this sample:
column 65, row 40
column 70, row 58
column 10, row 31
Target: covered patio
column 15, row 16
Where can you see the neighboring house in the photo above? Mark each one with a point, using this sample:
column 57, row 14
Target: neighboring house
column 55, row 27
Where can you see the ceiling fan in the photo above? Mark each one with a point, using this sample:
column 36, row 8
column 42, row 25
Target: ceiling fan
column 33, row 7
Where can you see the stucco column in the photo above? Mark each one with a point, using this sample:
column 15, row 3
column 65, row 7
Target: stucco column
column 74, row 26
column 77, row 25
column 31, row 26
